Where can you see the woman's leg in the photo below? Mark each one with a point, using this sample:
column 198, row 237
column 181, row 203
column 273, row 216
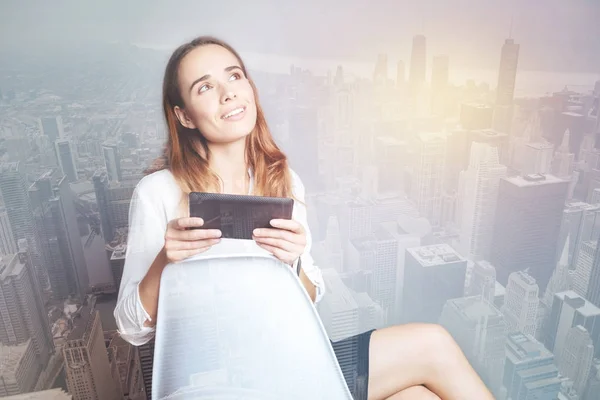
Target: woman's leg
column 421, row 354
column 415, row 393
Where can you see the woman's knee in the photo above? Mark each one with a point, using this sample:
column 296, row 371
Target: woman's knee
column 418, row 392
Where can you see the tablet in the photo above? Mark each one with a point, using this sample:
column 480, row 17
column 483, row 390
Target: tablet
column 236, row 216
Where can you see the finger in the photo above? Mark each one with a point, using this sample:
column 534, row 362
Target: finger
column 194, row 234
column 279, row 234
column 288, row 224
column 187, row 222
column 176, row 245
column 281, row 244
column 182, row 255
column 282, row 255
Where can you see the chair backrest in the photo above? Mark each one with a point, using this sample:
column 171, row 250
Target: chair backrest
column 241, row 326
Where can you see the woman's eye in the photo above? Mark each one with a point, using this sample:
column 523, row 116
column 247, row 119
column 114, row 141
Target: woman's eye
column 236, row 75
column 203, row 88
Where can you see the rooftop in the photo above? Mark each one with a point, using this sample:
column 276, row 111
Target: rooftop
column 584, row 307
column 10, row 265
column 525, row 348
column 11, row 355
column 534, row 180
column 434, row 255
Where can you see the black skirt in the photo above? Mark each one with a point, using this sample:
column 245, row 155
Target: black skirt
column 353, row 357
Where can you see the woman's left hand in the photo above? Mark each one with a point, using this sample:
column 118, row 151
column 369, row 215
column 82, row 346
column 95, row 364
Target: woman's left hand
column 286, row 240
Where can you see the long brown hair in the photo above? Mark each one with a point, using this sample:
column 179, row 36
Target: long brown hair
column 186, row 152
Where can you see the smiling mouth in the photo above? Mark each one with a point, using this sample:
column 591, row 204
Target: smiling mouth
column 234, row 112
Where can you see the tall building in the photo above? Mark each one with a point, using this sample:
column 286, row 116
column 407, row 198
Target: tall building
column 7, row 238
column 52, row 127
column 436, row 270
column 427, row 183
column 418, row 61
column 575, row 361
column 507, row 73
column 112, row 161
column 529, row 370
column 87, row 367
column 592, row 391
column 483, row 281
column 25, row 335
column 526, row 229
column 521, row 303
column 480, row 330
column 59, row 233
column 20, row 214
column 538, row 158
column 569, row 310
column 583, row 267
column 562, row 165
column 378, row 252
column 20, row 368
column 561, row 278
column 593, row 289
column 580, row 222
column 339, row 313
column 65, row 153
column 113, row 199
column 478, row 193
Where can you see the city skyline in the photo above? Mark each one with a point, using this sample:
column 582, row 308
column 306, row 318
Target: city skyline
column 436, row 194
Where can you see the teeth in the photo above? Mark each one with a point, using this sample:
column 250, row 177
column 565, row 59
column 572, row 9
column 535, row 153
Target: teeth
column 234, row 112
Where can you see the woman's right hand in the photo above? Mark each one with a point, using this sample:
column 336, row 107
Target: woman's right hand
column 182, row 242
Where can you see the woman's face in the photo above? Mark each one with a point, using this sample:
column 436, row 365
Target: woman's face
column 218, row 98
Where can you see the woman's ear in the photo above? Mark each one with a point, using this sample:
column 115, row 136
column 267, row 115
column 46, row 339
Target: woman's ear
column 183, row 118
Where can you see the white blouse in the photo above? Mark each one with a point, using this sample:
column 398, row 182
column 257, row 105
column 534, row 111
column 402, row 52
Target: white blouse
column 154, row 203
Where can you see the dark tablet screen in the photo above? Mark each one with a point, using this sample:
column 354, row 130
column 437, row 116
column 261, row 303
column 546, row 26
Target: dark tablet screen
column 238, row 215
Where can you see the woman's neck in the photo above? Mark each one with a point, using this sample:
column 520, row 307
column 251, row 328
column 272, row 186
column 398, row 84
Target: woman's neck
column 229, row 162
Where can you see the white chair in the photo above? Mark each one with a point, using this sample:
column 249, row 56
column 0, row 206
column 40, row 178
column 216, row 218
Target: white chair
column 241, row 327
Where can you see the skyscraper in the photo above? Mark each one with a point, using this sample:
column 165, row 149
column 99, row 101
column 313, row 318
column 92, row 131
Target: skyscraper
column 503, row 110
column 339, row 313
column 87, row 366
column 521, row 303
column 593, row 288
column 59, row 234
column 112, row 161
column 478, row 193
column 529, row 370
column 65, row 153
column 24, row 325
column 507, row 73
column 426, row 188
column 418, row 61
column 52, row 127
column 528, row 215
column 437, row 270
column 575, row 361
column 18, row 208
column 569, row 310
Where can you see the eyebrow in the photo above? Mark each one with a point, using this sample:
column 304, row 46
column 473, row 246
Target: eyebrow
column 207, row 76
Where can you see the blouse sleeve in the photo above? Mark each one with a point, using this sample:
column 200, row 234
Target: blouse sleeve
column 312, row 271
column 144, row 242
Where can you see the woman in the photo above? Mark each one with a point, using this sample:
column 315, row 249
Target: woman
column 219, row 142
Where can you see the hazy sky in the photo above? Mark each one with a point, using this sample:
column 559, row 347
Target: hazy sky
column 554, row 34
